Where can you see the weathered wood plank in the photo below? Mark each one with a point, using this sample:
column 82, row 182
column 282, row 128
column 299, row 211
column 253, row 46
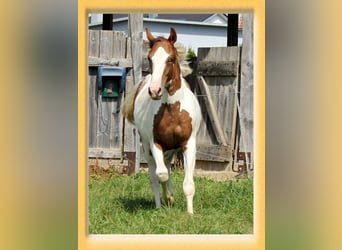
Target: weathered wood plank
column 92, row 107
column 218, row 54
column 217, row 68
column 119, row 44
column 209, row 152
column 230, row 121
column 121, row 62
column 246, row 105
column 204, row 153
column 135, row 30
column 106, row 43
column 115, row 132
column 104, row 153
column 129, row 48
column 94, row 43
column 104, row 121
column 212, row 112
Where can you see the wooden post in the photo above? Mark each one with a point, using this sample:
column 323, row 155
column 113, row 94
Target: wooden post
column 107, row 22
column 232, row 30
column 135, row 29
column 246, row 98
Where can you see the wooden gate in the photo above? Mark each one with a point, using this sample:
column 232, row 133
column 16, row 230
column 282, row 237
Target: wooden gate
column 216, row 85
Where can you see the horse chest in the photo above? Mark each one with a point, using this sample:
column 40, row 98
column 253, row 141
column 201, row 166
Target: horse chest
column 172, row 127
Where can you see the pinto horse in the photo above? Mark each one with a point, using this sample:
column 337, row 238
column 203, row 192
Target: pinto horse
column 167, row 116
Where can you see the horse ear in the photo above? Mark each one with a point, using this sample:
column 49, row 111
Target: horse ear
column 149, row 35
column 173, row 36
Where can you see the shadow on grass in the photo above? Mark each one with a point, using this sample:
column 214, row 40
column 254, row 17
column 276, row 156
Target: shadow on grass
column 133, row 205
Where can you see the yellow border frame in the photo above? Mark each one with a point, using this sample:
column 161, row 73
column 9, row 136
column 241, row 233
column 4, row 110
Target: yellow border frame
column 101, row 242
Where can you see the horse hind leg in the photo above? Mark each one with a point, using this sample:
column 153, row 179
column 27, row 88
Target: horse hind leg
column 154, row 185
column 168, row 195
column 167, row 186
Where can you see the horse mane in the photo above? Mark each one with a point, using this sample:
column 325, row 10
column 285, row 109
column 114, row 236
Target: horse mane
column 182, row 59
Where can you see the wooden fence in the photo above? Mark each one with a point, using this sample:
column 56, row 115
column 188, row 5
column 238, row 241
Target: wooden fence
column 215, row 80
column 105, row 123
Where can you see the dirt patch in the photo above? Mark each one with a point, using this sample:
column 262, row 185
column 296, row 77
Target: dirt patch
column 98, row 171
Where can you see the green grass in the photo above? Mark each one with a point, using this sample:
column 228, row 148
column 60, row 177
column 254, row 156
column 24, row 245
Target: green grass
column 125, row 205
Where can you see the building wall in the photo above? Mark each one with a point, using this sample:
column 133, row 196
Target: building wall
column 191, row 35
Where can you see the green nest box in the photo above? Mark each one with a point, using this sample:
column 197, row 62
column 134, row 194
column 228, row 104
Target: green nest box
column 111, row 81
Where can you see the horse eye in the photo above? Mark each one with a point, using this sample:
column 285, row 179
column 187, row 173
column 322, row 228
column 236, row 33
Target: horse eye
column 170, row 60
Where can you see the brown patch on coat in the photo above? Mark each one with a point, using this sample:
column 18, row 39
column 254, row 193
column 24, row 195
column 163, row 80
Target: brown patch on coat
column 172, row 73
column 171, row 127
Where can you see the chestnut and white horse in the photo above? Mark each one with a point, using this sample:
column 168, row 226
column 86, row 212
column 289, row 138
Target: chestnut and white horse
column 167, row 116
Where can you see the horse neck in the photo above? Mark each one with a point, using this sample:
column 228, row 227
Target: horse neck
column 177, row 91
column 176, row 79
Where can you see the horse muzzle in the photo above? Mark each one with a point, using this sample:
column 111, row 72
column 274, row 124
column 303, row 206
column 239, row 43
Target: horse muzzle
column 155, row 93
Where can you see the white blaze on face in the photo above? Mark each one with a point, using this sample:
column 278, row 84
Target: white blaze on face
column 158, row 65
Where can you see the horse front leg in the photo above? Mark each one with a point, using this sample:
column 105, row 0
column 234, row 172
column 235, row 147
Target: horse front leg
column 152, row 174
column 158, row 155
column 189, row 168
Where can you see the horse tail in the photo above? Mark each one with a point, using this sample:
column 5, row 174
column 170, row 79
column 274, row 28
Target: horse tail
column 128, row 105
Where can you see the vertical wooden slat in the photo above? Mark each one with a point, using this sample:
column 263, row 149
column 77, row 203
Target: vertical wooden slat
column 93, row 50
column 103, row 123
column 115, row 138
column 104, row 104
column 129, row 47
column 212, row 112
column 119, row 45
column 135, row 32
column 246, row 106
column 92, row 107
column 94, row 43
column 106, row 43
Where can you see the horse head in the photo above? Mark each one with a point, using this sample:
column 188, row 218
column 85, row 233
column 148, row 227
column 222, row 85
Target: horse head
column 164, row 65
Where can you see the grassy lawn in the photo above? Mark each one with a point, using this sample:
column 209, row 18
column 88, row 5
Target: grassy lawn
column 125, row 205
